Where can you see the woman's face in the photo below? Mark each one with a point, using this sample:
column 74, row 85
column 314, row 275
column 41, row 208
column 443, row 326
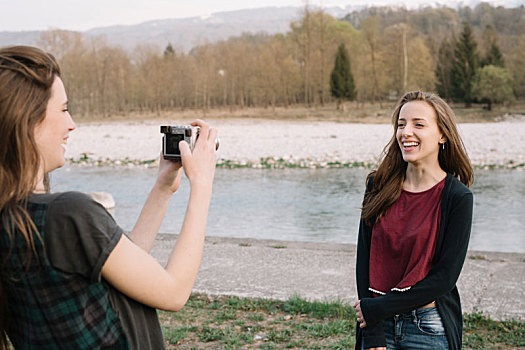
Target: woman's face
column 52, row 133
column 418, row 134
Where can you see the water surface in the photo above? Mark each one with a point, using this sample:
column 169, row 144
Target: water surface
column 320, row 205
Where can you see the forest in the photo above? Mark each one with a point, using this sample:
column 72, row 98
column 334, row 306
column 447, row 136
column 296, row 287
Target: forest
column 467, row 55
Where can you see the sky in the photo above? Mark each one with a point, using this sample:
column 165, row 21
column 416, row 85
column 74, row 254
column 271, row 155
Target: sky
column 25, row 15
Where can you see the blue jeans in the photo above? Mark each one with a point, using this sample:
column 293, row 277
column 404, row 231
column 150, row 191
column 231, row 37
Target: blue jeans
column 420, row 329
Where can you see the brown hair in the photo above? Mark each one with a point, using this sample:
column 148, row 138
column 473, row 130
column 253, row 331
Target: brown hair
column 389, row 176
column 26, row 77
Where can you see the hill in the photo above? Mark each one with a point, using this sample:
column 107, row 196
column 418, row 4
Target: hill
column 185, row 33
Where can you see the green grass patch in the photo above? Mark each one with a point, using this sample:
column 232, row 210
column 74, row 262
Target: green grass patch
column 229, row 322
column 481, row 332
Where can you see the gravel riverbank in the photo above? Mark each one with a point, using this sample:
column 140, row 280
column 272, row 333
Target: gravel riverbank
column 271, row 143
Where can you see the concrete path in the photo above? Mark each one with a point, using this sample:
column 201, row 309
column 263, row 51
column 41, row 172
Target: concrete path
column 493, row 283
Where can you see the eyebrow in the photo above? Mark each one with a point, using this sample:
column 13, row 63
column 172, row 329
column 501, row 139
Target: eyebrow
column 416, row 119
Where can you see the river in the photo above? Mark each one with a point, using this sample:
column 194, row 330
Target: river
column 319, row 205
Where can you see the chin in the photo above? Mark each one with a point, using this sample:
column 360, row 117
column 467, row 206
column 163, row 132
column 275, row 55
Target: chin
column 57, row 165
column 409, row 159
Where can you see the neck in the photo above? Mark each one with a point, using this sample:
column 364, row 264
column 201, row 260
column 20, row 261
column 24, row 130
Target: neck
column 39, row 185
column 418, row 179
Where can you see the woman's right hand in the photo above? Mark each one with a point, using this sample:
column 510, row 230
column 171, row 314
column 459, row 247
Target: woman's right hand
column 132, row 270
column 199, row 165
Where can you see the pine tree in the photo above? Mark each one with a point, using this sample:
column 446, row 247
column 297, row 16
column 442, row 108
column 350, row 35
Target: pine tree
column 494, row 57
column 465, row 66
column 342, row 84
column 168, row 51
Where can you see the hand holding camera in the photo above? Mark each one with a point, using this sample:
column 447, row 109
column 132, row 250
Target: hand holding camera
column 174, row 134
column 195, row 147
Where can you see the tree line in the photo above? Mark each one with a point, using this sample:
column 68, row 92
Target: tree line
column 466, row 55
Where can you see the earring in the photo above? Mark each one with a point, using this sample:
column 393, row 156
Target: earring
column 443, row 145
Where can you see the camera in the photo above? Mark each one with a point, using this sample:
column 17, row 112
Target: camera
column 174, row 134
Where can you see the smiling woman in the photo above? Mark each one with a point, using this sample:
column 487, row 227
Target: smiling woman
column 69, row 276
column 414, row 232
column 418, row 134
column 52, row 133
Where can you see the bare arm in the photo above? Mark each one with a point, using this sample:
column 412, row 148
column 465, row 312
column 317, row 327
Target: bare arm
column 152, row 214
column 129, row 267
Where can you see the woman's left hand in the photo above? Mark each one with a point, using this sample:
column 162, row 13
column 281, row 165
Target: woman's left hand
column 169, row 174
column 359, row 313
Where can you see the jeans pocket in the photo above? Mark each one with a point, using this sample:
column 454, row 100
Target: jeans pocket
column 430, row 323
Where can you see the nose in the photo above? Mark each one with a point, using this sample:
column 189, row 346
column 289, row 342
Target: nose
column 407, row 130
column 71, row 124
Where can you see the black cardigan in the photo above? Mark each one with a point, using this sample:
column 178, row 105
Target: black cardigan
column 440, row 283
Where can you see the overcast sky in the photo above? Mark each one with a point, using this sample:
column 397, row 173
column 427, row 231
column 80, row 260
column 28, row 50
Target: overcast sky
column 19, row 15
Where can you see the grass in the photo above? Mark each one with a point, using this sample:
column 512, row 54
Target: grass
column 480, row 332
column 229, row 322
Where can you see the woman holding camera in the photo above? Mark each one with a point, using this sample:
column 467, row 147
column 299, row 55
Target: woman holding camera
column 414, row 232
column 70, row 278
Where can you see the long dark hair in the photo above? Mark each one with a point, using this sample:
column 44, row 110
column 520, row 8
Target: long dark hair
column 389, row 176
column 26, row 77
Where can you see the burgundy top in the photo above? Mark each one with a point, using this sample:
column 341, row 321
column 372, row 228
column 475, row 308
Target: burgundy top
column 404, row 240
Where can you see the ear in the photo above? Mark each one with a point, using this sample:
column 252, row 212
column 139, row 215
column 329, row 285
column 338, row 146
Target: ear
column 442, row 140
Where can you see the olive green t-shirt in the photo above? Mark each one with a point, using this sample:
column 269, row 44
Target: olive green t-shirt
column 79, row 236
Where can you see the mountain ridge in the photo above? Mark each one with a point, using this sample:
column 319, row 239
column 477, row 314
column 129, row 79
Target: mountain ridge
column 186, row 33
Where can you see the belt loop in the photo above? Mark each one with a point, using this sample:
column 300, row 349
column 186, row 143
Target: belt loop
column 414, row 315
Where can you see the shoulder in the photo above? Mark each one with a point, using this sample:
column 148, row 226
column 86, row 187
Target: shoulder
column 456, row 188
column 370, row 181
column 74, row 206
column 456, row 196
column 63, row 200
column 72, row 200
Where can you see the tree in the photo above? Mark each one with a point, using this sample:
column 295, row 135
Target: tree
column 445, row 63
column 409, row 66
column 420, row 65
column 168, row 51
column 493, row 84
column 489, row 45
column 314, row 40
column 341, row 80
column 493, row 57
column 516, row 63
column 371, row 30
column 465, row 66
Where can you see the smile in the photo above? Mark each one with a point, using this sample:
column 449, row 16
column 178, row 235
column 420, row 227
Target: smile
column 410, row 144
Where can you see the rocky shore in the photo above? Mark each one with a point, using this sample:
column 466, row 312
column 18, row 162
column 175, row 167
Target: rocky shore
column 273, row 144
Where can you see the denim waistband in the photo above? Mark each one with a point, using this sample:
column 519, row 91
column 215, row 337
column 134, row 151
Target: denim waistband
column 416, row 312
